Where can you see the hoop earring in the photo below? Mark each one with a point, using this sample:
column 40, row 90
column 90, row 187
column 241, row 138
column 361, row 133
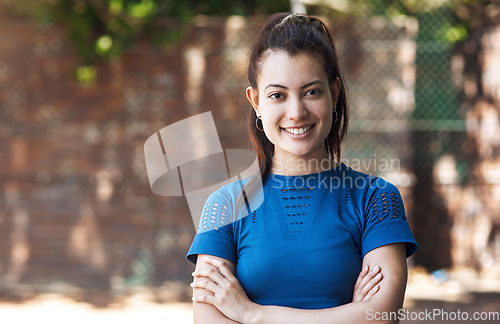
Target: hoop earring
column 257, row 124
column 336, row 116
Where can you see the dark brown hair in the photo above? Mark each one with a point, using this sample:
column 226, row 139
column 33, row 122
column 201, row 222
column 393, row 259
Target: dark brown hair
column 297, row 34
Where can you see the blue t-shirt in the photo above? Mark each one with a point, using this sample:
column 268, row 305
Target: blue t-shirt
column 304, row 246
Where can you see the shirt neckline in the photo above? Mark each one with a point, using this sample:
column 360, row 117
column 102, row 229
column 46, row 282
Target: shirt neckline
column 338, row 167
column 303, row 180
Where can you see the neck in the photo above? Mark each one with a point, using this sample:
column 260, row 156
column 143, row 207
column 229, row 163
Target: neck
column 286, row 165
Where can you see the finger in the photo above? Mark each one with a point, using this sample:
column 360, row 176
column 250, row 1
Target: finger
column 229, row 282
column 197, row 279
column 222, row 266
column 369, row 286
column 212, row 273
column 206, row 284
column 377, row 279
column 361, row 275
column 361, row 289
column 371, row 293
column 204, row 299
column 369, row 276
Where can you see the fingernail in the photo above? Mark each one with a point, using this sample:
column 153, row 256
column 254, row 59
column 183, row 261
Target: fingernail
column 378, row 276
column 375, row 288
column 377, row 268
column 192, row 284
column 365, row 268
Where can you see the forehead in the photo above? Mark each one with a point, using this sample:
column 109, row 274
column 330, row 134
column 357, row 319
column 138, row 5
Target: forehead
column 283, row 68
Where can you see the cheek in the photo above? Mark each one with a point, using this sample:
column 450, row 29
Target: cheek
column 328, row 119
column 269, row 116
column 270, row 127
column 267, row 121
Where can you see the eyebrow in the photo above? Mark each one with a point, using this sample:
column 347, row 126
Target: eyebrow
column 275, row 85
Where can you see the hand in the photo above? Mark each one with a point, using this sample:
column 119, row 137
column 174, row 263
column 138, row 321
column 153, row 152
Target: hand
column 366, row 285
column 228, row 295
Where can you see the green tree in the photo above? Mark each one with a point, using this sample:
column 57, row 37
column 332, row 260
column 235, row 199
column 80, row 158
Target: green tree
column 105, row 29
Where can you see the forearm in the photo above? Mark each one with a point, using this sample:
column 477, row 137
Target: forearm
column 218, row 288
column 208, row 314
column 389, row 298
column 360, row 312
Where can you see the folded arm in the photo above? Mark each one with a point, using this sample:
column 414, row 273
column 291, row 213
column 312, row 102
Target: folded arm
column 206, row 313
column 392, row 261
column 230, row 301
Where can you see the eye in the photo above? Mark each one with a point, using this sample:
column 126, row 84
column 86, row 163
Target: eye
column 276, row 95
column 313, row 92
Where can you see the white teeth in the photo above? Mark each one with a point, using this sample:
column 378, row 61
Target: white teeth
column 298, row 131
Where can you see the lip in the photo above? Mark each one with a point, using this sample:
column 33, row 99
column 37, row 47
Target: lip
column 298, row 126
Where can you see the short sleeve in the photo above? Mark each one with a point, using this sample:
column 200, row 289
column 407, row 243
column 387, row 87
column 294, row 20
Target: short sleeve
column 386, row 220
column 215, row 233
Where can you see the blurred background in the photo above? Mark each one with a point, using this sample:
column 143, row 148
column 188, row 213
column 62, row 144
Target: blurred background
column 84, row 83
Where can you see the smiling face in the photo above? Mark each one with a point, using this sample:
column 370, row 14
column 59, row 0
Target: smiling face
column 295, row 101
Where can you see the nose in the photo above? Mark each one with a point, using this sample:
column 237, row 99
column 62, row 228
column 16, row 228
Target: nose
column 296, row 109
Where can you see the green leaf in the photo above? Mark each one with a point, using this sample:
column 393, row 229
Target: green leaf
column 86, row 74
column 456, row 33
column 143, row 9
column 103, row 44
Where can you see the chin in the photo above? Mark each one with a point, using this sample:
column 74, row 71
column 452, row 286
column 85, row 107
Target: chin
column 301, row 153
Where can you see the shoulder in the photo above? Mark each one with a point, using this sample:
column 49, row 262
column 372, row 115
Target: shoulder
column 356, row 180
column 228, row 195
column 364, row 190
column 227, row 191
column 376, row 197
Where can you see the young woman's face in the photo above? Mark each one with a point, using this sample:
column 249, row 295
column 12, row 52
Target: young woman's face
column 295, row 102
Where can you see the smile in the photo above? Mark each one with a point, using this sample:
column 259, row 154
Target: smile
column 298, row 130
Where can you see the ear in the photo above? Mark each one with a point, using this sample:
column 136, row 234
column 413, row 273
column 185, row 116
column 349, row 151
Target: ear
column 253, row 97
column 335, row 91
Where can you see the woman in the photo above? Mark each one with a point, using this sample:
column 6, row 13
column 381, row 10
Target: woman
column 317, row 248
